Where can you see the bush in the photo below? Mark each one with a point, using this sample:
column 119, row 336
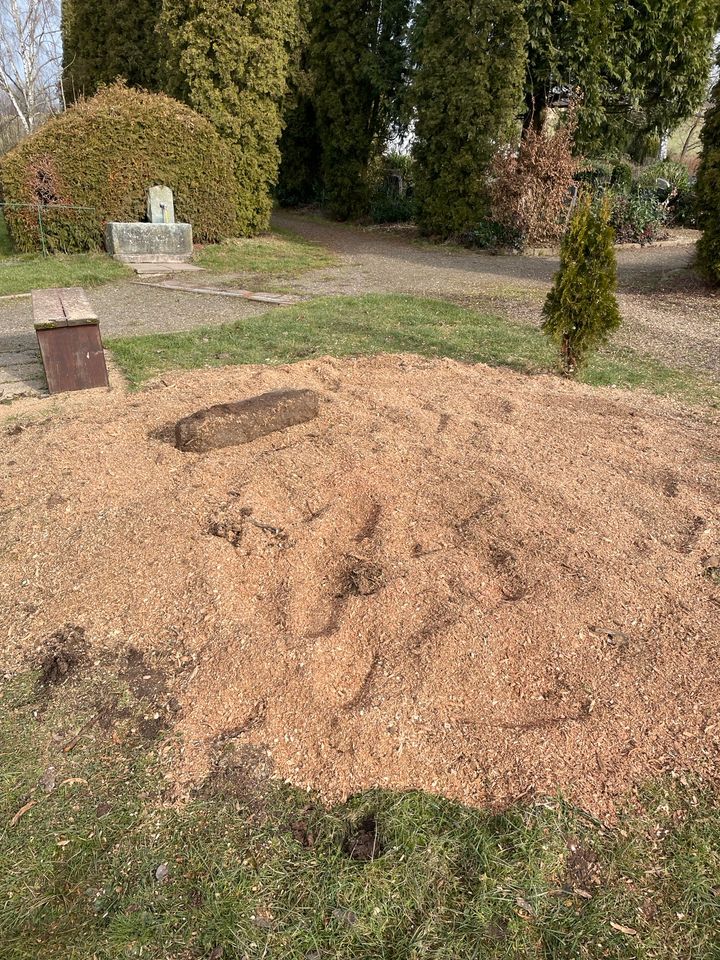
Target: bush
column 104, row 153
column 392, row 189
column 708, row 192
column 530, row 189
column 638, row 217
column 682, row 207
column 581, row 310
column 676, row 174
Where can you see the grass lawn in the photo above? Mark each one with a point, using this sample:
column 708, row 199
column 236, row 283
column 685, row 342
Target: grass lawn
column 378, row 323
column 24, row 272
column 97, row 864
column 279, row 255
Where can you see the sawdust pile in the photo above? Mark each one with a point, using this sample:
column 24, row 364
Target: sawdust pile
column 458, row 579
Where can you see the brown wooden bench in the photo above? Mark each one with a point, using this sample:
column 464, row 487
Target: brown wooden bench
column 68, row 333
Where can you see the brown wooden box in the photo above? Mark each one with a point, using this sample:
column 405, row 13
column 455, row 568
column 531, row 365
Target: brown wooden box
column 69, row 337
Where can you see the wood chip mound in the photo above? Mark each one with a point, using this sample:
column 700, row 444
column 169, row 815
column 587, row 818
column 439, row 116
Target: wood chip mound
column 457, row 579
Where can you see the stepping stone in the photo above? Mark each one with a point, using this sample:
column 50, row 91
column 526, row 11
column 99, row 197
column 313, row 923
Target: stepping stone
column 161, row 268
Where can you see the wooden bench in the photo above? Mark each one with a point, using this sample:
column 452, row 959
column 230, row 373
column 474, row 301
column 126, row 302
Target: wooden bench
column 68, row 333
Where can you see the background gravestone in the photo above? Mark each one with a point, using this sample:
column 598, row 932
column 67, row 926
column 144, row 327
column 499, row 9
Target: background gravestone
column 160, row 205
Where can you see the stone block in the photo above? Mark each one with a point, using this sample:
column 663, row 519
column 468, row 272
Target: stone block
column 160, row 205
column 231, row 424
column 145, row 242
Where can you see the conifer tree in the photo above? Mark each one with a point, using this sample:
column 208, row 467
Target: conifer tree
column 104, row 41
column 230, row 61
column 470, row 63
column 581, row 310
column 708, row 191
column 639, row 66
column 358, row 58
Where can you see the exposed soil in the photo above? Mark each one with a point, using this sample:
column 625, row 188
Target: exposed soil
column 458, row 579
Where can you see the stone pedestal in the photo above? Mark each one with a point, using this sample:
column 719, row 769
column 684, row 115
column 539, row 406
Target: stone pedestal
column 149, row 242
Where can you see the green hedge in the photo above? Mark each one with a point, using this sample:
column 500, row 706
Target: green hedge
column 104, row 153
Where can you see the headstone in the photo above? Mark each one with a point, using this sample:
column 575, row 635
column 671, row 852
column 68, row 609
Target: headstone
column 230, row 424
column 160, row 205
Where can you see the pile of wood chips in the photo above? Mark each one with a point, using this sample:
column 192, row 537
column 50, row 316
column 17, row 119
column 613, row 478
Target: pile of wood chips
column 458, row 578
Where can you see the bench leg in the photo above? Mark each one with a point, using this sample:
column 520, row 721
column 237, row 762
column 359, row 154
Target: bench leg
column 73, row 358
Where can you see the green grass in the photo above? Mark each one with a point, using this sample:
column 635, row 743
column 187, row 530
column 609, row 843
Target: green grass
column 349, row 326
column 78, row 869
column 279, row 255
column 22, row 273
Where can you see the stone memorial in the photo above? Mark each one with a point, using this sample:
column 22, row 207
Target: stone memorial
column 160, row 205
column 160, row 240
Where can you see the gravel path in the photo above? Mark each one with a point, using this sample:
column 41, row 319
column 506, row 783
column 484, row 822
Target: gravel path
column 124, row 308
column 669, row 314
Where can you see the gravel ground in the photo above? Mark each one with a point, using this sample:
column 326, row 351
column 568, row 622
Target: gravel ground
column 669, row 313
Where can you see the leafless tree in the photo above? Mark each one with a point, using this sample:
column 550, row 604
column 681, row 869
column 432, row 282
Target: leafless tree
column 30, row 60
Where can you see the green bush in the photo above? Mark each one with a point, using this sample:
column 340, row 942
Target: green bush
column 581, row 310
column 708, row 192
column 638, row 217
column 676, row 174
column 683, row 207
column 103, row 154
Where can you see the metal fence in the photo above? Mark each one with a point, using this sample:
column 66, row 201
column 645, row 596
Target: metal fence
column 39, row 208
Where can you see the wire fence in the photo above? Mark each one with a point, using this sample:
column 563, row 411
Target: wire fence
column 42, row 220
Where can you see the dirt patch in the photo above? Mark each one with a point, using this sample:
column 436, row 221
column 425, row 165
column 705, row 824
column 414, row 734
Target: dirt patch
column 362, row 841
column 516, row 606
column 64, row 652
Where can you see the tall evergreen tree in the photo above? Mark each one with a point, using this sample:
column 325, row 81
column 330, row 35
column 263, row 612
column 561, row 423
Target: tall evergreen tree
column 104, row 41
column 639, row 66
column 708, row 190
column 230, row 61
column 470, row 62
column 359, row 59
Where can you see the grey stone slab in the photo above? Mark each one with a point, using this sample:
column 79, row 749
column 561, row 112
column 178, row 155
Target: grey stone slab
column 149, row 241
column 160, row 205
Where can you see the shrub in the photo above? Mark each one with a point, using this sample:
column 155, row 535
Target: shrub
column 470, row 65
column 638, row 217
column 530, row 189
column 392, row 190
column 708, row 192
column 581, row 310
column 104, row 153
column 683, row 206
column 231, row 61
column 676, row 174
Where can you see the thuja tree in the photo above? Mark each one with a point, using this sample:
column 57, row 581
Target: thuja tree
column 470, row 63
column 708, row 191
column 358, row 58
column 230, row 61
column 639, row 66
column 581, row 310
column 104, row 41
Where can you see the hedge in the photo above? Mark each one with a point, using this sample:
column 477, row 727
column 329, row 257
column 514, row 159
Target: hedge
column 103, row 154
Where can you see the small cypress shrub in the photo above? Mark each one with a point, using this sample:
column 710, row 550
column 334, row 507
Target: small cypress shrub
column 708, row 192
column 581, row 310
column 103, row 154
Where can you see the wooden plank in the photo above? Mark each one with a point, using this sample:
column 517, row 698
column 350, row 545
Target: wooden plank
column 77, row 306
column 73, row 358
column 47, row 308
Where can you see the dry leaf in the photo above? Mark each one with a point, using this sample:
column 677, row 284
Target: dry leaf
column 621, row 929
column 22, row 811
